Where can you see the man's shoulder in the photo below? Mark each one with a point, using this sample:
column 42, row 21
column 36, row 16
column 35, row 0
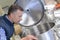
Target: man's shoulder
column 0, row 17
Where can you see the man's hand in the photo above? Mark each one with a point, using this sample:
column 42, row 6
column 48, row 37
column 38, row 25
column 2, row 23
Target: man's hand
column 29, row 37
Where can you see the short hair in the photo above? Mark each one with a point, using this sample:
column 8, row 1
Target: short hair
column 14, row 8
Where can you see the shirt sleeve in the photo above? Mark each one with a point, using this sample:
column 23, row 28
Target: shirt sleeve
column 2, row 34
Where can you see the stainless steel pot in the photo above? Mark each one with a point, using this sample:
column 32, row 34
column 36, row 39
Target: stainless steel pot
column 35, row 20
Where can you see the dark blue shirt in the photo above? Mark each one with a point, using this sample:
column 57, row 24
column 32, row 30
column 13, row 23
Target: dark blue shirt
column 7, row 27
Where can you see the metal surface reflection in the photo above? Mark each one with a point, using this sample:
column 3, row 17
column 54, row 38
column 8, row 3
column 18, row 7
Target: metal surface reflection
column 34, row 10
column 34, row 20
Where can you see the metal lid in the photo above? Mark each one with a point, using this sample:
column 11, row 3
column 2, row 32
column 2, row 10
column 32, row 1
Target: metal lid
column 33, row 12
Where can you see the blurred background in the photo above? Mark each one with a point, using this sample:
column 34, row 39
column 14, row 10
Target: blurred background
column 41, row 18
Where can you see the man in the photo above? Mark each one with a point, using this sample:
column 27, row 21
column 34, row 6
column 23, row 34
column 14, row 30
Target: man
column 7, row 23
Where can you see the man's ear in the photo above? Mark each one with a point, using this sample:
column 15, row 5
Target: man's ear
column 12, row 14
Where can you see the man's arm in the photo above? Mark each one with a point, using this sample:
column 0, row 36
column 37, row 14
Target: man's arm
column 2, row 34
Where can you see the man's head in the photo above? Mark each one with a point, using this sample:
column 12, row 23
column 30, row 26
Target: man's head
column 15, row 13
